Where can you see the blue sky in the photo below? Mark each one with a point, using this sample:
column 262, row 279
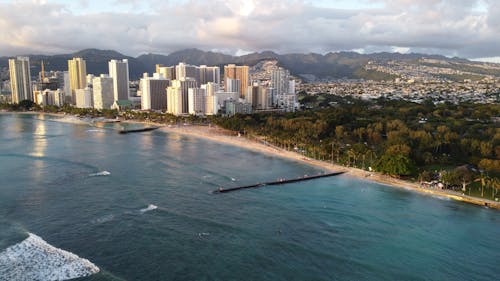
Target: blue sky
column 464, row 28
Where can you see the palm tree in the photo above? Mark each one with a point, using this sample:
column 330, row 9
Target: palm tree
column 494, row 183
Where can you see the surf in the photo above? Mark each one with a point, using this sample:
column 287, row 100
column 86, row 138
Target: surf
column 100, row 174
column 150, row 207
column 35, row 259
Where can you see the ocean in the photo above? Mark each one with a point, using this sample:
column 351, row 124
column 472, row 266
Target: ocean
column 87, row 202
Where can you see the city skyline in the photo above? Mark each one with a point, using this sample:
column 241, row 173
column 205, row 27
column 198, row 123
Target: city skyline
column 466, row 28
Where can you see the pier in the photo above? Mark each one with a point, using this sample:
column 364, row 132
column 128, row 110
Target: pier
column 137, row 130
column 278, row 182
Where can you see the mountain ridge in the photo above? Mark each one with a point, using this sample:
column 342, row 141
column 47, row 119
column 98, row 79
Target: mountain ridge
column 331, row 65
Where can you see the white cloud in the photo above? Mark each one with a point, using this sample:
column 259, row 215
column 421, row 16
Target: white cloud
column 467, row 28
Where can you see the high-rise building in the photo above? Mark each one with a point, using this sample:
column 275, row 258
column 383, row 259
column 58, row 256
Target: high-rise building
column 118, row 70
column 175, row 101
column 262, row 99
column 67, row 89
column 209, row 74
column 102, row 88
column 211, row 106
column 224, row 96
column 77, row 69
column 284, row 87
column 234, row 85
column 271, row 95
column 232, row 107
column 154, row 95
column 184, row 71
column 279, row 81
column 50, row 97
column 90, row 78
column 59, row 98
column 84, row 98
column 196, row 101
column 257, row 95
column 20, row 79
column 168, row 72
column 184, row 84
column 211, row 88
column 237, row 72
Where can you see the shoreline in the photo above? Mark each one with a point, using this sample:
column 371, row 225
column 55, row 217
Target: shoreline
column 223, row 136
column 219, row 135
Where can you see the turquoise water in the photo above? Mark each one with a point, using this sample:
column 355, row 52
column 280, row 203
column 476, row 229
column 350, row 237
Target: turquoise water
column 337, row 228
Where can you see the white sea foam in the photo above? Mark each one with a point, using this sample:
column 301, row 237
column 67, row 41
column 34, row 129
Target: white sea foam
column 95, row 131
column 102, row 173
column 103, row 219
column 35, row 259
column 150, row 207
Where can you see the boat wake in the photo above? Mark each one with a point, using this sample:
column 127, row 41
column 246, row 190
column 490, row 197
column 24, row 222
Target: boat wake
column 95, row 131
column 100, row 174
column 35, row 259
column 150, row 207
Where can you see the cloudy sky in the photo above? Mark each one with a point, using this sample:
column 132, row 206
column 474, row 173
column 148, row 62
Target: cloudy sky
column 465, row 28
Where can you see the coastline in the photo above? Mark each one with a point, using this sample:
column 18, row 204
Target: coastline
column 219, row 135
column 223, row 136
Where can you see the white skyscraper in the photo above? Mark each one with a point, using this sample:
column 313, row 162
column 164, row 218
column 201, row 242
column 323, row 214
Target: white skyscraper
column 211, row 106
column 175, row 100
column 118, row 70
column 20, row 79
column 84, row 98
column 184, row 85
column 103, row 92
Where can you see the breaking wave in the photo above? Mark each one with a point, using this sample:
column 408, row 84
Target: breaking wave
column 102, row 173
column 35, row 259
column 150, row 207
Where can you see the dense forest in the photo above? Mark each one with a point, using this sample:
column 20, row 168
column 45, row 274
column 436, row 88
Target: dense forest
column 458, row 144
